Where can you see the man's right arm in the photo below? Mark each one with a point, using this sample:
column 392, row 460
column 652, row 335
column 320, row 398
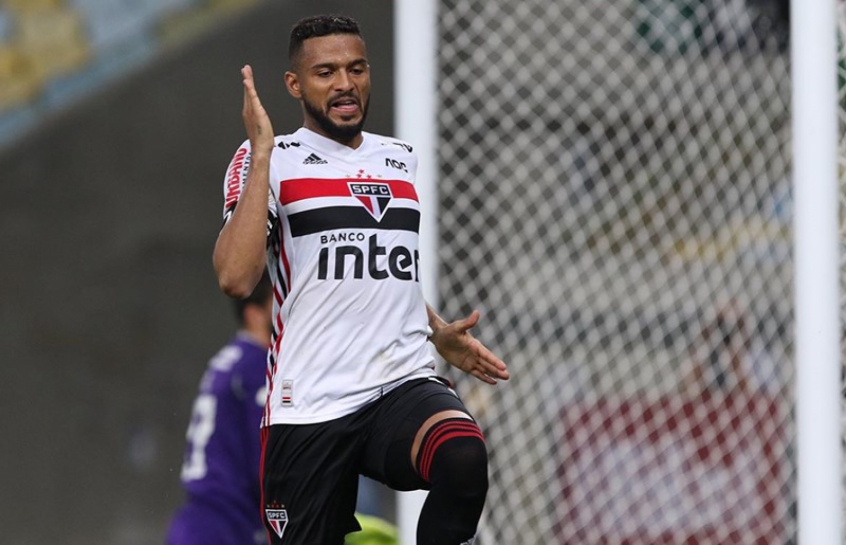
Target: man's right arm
column 239, row 254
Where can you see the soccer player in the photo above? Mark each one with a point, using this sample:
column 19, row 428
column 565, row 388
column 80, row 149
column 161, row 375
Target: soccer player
column 221, row 464
column 332, row 211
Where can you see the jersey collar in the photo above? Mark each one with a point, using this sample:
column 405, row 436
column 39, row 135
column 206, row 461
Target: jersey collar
column 328, row 145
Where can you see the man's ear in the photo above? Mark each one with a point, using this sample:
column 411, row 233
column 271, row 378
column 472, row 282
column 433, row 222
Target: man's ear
column 292, row 82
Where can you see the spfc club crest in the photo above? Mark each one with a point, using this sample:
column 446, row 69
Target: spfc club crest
column 277, row 519
column 374, row 196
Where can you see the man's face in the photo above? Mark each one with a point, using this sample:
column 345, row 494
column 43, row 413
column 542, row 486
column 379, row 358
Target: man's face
column 332, row 79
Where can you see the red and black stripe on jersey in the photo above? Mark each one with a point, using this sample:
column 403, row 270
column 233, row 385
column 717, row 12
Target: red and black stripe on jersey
column 280, row 270
column 358, row 214
column 308, row 188
column 278, row 265
column 352, row 217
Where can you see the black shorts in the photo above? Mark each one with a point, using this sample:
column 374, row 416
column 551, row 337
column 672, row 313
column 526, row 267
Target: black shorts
column 310, row 472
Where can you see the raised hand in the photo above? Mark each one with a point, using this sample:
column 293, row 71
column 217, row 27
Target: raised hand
column 462, row 350
column 256, row 120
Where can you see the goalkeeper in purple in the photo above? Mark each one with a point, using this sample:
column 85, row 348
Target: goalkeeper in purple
column 332, row 213
column 220, row 472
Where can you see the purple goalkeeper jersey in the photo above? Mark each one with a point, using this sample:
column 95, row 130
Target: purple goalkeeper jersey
column 220, row 471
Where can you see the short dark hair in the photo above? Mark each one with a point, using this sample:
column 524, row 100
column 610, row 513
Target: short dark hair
column 316, row 26
column 259, row 297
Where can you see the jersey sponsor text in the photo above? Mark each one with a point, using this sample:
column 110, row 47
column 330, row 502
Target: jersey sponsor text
column 402, row 264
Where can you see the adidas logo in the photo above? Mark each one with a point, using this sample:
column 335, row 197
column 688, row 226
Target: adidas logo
column 313, row 159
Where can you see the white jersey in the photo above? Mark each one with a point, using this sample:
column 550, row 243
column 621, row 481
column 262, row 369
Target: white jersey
column 350, row 320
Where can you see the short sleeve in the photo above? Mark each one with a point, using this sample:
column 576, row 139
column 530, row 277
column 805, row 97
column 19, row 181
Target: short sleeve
column 236, row 179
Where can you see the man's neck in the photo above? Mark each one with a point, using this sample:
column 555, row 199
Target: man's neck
column 353, row 143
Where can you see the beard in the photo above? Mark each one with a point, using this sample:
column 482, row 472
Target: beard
column 341, row 133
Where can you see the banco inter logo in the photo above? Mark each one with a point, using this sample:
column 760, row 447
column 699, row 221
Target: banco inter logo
column 376, row 261
column 374, row 196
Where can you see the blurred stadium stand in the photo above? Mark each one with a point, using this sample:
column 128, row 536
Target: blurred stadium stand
column 52, row 52
column 109, row 307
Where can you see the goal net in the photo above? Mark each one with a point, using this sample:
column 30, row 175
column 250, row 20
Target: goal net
column 615, row 198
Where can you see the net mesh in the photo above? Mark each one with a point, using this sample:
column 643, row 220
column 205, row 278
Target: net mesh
column 615, row 198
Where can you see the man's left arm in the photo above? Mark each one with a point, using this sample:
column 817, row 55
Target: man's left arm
column 460, row 349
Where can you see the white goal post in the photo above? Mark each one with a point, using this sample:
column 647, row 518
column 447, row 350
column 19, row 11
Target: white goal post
column 817, row 244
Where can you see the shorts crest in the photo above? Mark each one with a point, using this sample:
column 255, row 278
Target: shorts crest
column 277, row 519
